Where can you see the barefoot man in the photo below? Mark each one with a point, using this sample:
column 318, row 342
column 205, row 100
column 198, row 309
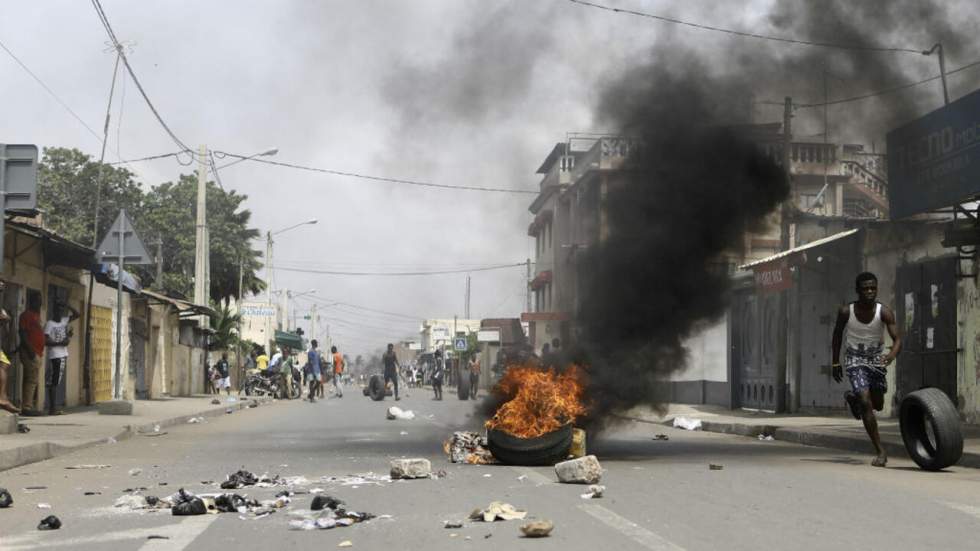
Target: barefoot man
column 861, row 324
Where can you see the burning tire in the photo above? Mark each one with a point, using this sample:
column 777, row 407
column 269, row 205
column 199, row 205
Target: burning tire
column 546, row 449
column 931, row 429
column 376, row 388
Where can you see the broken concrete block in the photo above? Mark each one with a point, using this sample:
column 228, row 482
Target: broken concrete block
column 410, row 468
column 584, row 470
column 537, row 529
column 115, row 407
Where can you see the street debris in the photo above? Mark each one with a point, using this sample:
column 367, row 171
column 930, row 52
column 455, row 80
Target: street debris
column 355, row 480
column 253, row 404
column 229, row 410
column 43, row 505
column 22, row 428
column 584, row 470
column 32, row 489
column 498, row 511
column 332, row 515
column 152, row 501
column 410, row 468
column 157, row 537
column 345, row 543
column 713, row 467
column 687, row 423
column 186, row 504
column 110, row 440
column 452, row 524
column 216, row 402
column 595, row 492
column 398, row 413
column 154, row 433
column 766, row 437
column 135, row 472
column 6, row 500
column 49, row 522
column 537, row 529
column 132, row 502
column 84, row 467
column 230, row 503
column 195, row 420
column 661, row 437
column 468, row 447
column 577, row 449
column 92, row 493
column 325, row 502
column 239, row 479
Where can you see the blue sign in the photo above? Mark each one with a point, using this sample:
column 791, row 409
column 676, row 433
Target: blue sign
column 934, row 161
column 460, row 344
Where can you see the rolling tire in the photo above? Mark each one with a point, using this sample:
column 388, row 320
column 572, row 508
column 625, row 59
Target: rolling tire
column 376, row 388
column 463, row 388
column 546, row 449
column 930, row 410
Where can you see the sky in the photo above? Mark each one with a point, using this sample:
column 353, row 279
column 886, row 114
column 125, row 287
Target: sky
column 468, row 93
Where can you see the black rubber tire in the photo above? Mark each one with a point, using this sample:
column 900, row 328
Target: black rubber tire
column 366, row 391
column 463, row 388
column 930, row 407
column 547, row 449
column 376, row 388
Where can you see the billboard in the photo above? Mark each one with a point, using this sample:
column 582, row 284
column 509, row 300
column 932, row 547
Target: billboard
column 258, row 309
column 933, row 161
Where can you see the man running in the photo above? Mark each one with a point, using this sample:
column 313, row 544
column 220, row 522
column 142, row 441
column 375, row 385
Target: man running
column 338, row 371
column 862, row 325
column 391, row 368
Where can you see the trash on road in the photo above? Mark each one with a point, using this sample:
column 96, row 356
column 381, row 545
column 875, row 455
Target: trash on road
column 195, row 420
column 714, row 467
column 468, row 447
column 186, row 504
column 766, row 437
column 537, row 529
column 135, row 472
column 239, row 479
column 584, row 470
column 43, row 505
column 345, row 543
column 577, row 449
column 6, row 500
column 22, row 428
column 84, row 467
column 230, row 503
column 498, row 511
column 398, row 413
column 661, row 437
column 355, row 480
column 229, row 410
column 452, row 524
column 32, row 489
column 253, row 404
column 49, row 522
column 325, row 502
column 687, row 423
column 90, row 493
column 410, row 468
column 132, row 502
column 157, row 537
column 595, row 492
column 328, row 517
column 216, row 402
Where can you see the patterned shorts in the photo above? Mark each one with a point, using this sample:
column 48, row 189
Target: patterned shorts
column 866, row 373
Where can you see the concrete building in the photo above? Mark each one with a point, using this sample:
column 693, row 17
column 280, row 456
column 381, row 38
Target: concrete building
column 437, row 334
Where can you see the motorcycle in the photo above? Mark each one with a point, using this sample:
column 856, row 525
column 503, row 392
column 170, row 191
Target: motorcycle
column 271, row 384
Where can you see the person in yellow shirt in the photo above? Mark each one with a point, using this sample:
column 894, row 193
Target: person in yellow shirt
column 261, row 361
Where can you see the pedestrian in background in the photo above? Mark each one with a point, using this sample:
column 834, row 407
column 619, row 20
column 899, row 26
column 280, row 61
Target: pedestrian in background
column 222, row 375
column 31, row 351
column 438, row 370
column 4, row 362
column 314, row 377
column 338, row 371
column 261, row 360
column 58, row 334
column 474, row 369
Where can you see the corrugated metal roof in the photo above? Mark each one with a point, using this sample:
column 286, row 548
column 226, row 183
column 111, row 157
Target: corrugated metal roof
column 809, row 245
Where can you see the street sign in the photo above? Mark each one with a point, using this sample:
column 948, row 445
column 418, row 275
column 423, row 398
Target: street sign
column 460, row 344
column 18, row 183
column 933, row 161
column 488, row 335
column 122, row 245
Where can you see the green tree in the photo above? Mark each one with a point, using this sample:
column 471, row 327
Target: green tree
column 225, row 326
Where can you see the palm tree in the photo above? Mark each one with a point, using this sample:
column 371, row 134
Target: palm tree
column 225, row 326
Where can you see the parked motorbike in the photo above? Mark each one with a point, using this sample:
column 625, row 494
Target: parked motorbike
column 271, row 384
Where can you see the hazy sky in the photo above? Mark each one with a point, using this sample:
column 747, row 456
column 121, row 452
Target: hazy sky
column 453, row 92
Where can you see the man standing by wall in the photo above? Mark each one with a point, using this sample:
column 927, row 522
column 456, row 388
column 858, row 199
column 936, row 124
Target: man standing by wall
column 31, row 350
column 57, row 333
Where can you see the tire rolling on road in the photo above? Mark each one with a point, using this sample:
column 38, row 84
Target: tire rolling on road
column 376, row 388
column 931, row 429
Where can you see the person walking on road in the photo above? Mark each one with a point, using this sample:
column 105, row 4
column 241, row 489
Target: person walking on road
column 861, row 325
column 223, row 371
column 474, row 369
column 58, row 333
column 338, row 371
column 313, row 375
column 438, row 370
column 31, row 351
column 390, row 360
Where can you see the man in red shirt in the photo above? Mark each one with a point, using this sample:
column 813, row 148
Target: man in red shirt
column 31, row 350
column 338, row 371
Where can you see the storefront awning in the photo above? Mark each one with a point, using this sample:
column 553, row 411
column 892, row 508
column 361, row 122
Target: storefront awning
column 801, row 248
column 180, row 304
column 292, row 340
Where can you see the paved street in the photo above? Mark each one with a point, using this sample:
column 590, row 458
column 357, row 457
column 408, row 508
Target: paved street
column 661, row 494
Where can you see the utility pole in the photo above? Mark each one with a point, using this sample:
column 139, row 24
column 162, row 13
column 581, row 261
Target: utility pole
column 313, row 321
column 467, row 309
column 938, row 47
column 782, row 331
column 527, row 286
column 241, row 281
column 159, row 259
column 201, row 240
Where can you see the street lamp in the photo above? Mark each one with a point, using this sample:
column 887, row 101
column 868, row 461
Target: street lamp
column 291, row 295
column 267, row 153
column 268, row 252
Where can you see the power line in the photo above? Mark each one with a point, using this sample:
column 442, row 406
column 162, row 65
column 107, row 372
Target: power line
column 385, row 274
column 119, row 48
column 377, row 178
column 50, row 91
column 365, row 308
column 155, row 157
column 745, row 34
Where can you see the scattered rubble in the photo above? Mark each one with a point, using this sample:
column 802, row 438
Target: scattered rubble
column 332, row 515
column 6, row 500
column 135, row 472
column 398, row 413
column 49, row 522
column 687, row 423
column 229, row 410
column 452, row 524
column 91, row 493
column 714, row 467
column 32, row 489
column 132, row 502
column 186, row 504
column 410, row 468
column 537, row 529
column 595, row 492
column 322, row 502
column 468, row 447
column 157, row 537
column 216, row 402
column 498, row 511
column 345, row 543
column 239, row 479
column 253, row 404
column 83, row 467
column 584, row 470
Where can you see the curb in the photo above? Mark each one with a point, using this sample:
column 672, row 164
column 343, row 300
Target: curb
column 42, row 451
column 809, row 438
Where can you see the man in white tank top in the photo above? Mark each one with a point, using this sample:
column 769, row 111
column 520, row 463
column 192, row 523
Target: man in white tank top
column 861, row 325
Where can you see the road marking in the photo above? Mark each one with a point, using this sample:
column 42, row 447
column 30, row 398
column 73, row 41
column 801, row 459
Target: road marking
column 629, row 528
column 533, row 475
column 968, row 509
column 181, row 534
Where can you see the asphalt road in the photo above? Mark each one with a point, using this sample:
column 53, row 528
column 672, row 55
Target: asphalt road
column 660, row 494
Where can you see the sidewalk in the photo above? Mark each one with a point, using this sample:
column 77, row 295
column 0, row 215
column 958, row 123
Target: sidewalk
column 842, row 433
column 83, row 427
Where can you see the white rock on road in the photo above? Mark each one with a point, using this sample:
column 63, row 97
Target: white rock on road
column 410, row 468
column 584, row 470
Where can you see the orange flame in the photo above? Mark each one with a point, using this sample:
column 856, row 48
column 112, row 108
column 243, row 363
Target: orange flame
column 541, row 401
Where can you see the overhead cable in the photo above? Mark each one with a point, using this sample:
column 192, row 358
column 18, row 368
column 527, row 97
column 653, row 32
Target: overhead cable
column 744, row 34
column 377, row 178
column 365, row 308
column 155, row 157
column 388, row 274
